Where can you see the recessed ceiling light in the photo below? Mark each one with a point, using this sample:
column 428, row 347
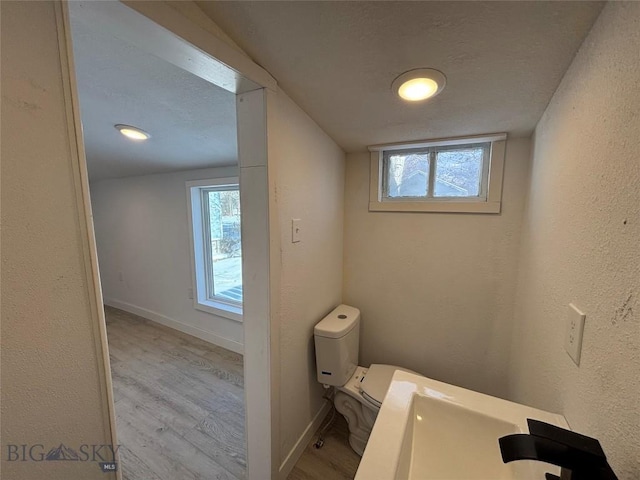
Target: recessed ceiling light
column 419, row 84
column 133, row 133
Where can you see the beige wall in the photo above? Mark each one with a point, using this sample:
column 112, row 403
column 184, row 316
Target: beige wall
column 310, row 186
column 435, row 290
column 52, row 378
column 581, row 239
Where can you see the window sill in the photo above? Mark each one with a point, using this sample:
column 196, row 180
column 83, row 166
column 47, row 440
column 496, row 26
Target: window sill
column 220, row 309
column 435, row 206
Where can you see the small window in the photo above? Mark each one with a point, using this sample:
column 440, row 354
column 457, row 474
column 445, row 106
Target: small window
column 216, row 246
column 456, row 175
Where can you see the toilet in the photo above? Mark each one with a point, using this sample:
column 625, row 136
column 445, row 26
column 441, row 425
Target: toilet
column 359, row 390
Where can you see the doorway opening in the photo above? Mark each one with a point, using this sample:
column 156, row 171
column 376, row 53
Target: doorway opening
column 170, row 215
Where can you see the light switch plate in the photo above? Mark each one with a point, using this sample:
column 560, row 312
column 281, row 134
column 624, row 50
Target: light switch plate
column 573, row 333
column 296, row 230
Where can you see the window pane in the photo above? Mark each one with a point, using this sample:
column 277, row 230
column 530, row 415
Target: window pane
column 458, row 173
column 226, row 247
column 407, row 175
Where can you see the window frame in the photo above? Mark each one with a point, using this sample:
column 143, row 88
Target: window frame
column 200, row 255
column 493, row 171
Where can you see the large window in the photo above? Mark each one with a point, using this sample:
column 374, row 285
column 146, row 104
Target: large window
column 217, row 246
column 455, row 175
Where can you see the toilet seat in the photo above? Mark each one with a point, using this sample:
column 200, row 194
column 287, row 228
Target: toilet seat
column 375, row 384
column 359, row 400
column 369, row 385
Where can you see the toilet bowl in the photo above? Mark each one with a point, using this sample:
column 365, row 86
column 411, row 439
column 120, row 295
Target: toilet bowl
column 359, row 401
column 359, row 390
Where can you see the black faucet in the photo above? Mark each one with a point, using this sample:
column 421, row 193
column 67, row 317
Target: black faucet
column 580, row 457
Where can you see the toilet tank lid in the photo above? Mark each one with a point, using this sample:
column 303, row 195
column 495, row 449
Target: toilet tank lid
column 377, row 380
column 338, row 323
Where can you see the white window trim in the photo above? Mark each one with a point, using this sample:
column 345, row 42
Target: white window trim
column 198, row 273
column 492, row 204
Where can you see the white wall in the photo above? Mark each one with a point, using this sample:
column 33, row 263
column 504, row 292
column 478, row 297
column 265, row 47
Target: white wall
column 581, row 239
column 142, row 231
column 310, row 186
column 53, row 374
column 435, row 290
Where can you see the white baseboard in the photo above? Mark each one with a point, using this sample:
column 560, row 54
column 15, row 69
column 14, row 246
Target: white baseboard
column 297, row 450
column 176, row 325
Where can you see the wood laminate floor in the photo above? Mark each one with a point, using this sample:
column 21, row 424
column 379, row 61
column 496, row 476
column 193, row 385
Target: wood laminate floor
column 178, row 400
column 334, row 461
column 180, row 409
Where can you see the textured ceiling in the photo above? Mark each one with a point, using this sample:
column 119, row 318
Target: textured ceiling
column 192, row 122
column 503, row 61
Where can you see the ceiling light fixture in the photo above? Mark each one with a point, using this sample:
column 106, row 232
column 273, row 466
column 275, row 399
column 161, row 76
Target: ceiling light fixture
column 419, row 84
column 133, row 133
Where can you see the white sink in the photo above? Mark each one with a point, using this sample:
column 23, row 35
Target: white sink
column 431, row 430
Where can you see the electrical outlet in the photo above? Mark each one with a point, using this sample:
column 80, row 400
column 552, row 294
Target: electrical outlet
column 573, row 333
column 120, row 276
column 190, row 293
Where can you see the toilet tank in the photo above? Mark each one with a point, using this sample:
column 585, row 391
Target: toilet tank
column 337, row 340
